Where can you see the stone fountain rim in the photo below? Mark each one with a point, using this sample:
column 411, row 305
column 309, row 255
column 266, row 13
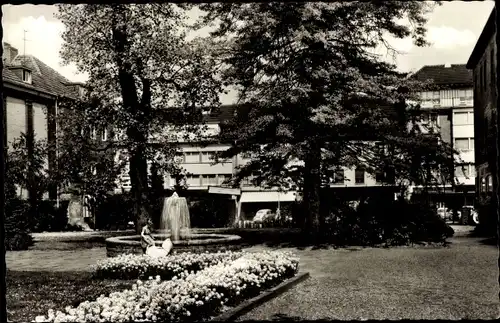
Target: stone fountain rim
column 134, row 240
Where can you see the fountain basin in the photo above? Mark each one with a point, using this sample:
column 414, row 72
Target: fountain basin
column 197, row 243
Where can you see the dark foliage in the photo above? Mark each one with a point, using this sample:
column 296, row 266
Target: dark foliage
column 375, row 222
column 51, row 218
column 210, row 213
column 17, row 233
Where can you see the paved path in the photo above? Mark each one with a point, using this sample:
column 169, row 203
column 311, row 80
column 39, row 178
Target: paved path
column 458, row 282
column 61, row 256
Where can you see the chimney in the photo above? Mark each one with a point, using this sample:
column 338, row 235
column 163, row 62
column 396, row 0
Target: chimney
column 9, row 53
column 447, row 65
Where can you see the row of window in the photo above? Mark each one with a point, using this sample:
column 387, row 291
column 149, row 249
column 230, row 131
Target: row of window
column 464, row 143
column 466, row 170
column 198, row 157
column 461, row 95
column 486, row 184
column 206, row 180
column 359, row 176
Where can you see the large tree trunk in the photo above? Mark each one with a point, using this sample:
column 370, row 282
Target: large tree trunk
column 138, row 164
column 311, row 196
column 139, row 180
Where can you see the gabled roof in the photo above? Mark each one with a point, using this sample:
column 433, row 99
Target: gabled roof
column 456, row 74
column 44, row 78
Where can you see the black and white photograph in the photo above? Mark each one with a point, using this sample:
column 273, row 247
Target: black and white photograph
column 250, row 161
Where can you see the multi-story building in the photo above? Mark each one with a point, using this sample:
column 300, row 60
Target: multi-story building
column 449, row 107
column 483, row 64
column 203, row 177
column 30, row 94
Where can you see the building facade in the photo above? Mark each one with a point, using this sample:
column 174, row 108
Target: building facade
column 483, row 64
column 449, row 108
column 30, row 94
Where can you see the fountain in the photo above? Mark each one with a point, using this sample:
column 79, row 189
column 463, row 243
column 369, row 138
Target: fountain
column 175, row 216
column 175, row 223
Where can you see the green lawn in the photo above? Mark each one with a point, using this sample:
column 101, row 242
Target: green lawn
column 30, row 294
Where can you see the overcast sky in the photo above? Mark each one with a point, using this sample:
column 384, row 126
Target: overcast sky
column 453, row 29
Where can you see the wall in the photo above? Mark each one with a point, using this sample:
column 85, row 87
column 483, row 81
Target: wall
column 485, row 113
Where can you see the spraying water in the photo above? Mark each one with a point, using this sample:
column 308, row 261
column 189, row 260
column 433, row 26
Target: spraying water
column 175, row 216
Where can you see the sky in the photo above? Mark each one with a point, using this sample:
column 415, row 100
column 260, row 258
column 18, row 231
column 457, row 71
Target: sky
column 453, row 29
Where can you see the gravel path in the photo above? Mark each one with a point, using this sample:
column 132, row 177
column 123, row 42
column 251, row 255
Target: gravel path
column 459, row 282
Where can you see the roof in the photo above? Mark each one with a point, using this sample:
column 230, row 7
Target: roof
column 456, row 74
column 482, row 42
column 43, row 77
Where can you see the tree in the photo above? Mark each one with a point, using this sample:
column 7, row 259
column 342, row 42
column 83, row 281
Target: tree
column 318, row 92
column 29, row 171
column 145, row 78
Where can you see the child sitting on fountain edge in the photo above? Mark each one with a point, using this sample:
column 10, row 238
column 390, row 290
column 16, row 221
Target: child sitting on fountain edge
column 148, row 243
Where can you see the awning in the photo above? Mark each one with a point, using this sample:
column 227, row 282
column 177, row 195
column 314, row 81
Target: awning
column 247, row 197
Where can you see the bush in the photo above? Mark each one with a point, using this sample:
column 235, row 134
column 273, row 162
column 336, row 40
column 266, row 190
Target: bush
column 115, row 212
column 392, row 223
column 51, row 218
column 210, row 213
column 17, row 233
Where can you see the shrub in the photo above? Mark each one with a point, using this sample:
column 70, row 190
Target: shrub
column 210, row 213
column 116, row 211
column 392, row 223
column 17, row 233
column 197, row 296
column 51, row 218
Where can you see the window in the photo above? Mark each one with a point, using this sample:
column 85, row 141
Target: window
column 435, row 95
column 27, row 76
column 489, row 183
column 192, row 157
column 482, row 187
column 492, row 67
column 485, row 82
column 461, row 94
column 221, row 179
column 469, row 94
column 93, row 133
column 104, row 135
column 93, row 170
column 462, row 171
column 472, row 170
column 464, row 143
column 206, row 156
column 193, row 180
column 359, row 175
column 247, row 181
column 209, row 180
column 480, row 76
column 461, row 118
column 338, row 176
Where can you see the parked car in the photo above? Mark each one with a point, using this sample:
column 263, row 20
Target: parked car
column 473, row 214
column 444, row 213
column 263, row 215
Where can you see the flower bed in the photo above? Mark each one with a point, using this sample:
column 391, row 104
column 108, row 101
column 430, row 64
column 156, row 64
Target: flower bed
column 130, row 266
column 196, row 296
